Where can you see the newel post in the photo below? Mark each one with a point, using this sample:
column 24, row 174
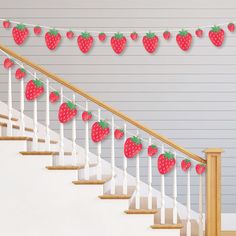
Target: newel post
column 213, row 192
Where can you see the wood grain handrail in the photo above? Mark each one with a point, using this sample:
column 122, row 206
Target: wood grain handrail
column 102, row 104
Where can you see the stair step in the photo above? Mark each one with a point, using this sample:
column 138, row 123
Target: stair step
column 64, row 167
column 168, row 221
column 119, row 193
column 40, row 140
column 141, row 211
column 92, row 181
column 7, row 118
column 34, row 153
column 194, row 228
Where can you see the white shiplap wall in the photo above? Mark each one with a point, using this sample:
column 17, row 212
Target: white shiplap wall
column 188, row 96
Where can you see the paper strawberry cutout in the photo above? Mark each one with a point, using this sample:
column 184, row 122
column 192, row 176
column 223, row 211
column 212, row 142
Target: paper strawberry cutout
column 184, row 40
column 20, row 73
column 52, row 39
column 118, row 43
column 85, row 42
column 102, row 37
column 165, row 162
column 152, row 150
column 217, row 35
column 20, row 34
column 54, row 96
column 100, row 131
column 150, row 42
column 34, row 88
column 185, row 164
column 86, row 115
column 6, row 24
column 8, row 63
column 37, row 30
column 132, row 147
column 200, row 168
column 119, row 133
column 67, row 112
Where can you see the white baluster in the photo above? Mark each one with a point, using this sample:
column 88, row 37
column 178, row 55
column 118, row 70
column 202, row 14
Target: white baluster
column 86, row 165
column 22, row 107
column 200, row 207
column 150, row 179
column 62, row 135
column 35, row 139
column 189, row 226
column 175, row 193
column 9, row 125
column 137, row 197
column 74, row 135
column 99, row 148
column 113, row 183
column 163, row 195
column 125, row 187
column 48, row 146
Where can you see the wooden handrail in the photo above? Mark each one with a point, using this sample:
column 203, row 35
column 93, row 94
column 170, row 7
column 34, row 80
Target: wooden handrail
column 102, row 104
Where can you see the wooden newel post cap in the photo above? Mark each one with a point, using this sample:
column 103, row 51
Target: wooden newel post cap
column 213, row 150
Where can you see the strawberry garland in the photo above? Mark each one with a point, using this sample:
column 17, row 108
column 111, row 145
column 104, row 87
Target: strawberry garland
column 118, row 41
column 100, row 130
column 67, row 112
column 132, row 147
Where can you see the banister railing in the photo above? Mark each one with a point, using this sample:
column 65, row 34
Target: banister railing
column 212, row 161
column 102, row 104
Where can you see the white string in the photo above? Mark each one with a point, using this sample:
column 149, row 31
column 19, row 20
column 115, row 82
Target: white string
column 113, row 32
column 160, row 145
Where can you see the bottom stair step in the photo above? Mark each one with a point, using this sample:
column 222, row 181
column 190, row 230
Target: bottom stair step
column 141, row 211
column 38, row 153
column 92, row 181
column 168, row 221
column 64, row 167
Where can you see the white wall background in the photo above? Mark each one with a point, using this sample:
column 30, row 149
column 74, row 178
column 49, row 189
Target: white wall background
column 188, row 96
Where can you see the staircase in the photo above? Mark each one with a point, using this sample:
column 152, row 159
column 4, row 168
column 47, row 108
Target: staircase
column 81, row 192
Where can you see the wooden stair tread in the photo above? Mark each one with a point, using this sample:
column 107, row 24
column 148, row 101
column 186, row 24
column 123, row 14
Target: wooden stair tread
column 64, row 167
column 24, row 138
column 16, row 127
column 119, row 193
column 92, row 181
column 43, row 153
column 7, row 118
column 141, row 211
column 167, row 226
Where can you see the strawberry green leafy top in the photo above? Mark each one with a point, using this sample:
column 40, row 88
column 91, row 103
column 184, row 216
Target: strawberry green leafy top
column 183, row 32
column 56, row 93
column 20, row 26
column 169, row 155
column 136, row 140
column 153, row 146
column 85, row 35
column 150, row 35
column 187, row 160
column 71, row 105
column 216, row 28
column 53, row 32
column 118, row 36
column 103, row 124
column 38, row 83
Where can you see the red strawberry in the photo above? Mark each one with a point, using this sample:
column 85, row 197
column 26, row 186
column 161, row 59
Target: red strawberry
column 85, row 42
column 34, row 88
column 216, row 35
column 67, row 111
column 102, row 36
column 6, row 24
column 86, row 115
column 185, row 164
column 199, row 33
column 8, row 63
column 118, row 43
column 231, row 27
column 20, row 34
column 54, row 96
column 100, row 131
column 200, row 168
column 52, row 39
column 150, row 42
column 184, row 40
column 165, row 162
column 37, row 30
column 134, row 36
column 20, row 73
column 70, row 34
column 166, row 35
column 152, row 150
column 119, row 133
column 132, row 147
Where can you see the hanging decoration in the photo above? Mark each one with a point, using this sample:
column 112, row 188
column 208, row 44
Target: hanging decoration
column 132, row 147
column 8, row 63
column 184, row 40
column 85, row 42
column 102, row 37
column 37, row 30
column 150, row 42
column 20, row 34
column 200, row 168
column 185, row 165
column 166, row 35
column 52, row 39
column 166, row 162
column 67, row 112
column 216, row 35
column 87, row 115
column 119, row 134
column 100, row 130
column 118, row 43
column 20, row 73
column 152, row 150
column 34, row 89
column 54, row 96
